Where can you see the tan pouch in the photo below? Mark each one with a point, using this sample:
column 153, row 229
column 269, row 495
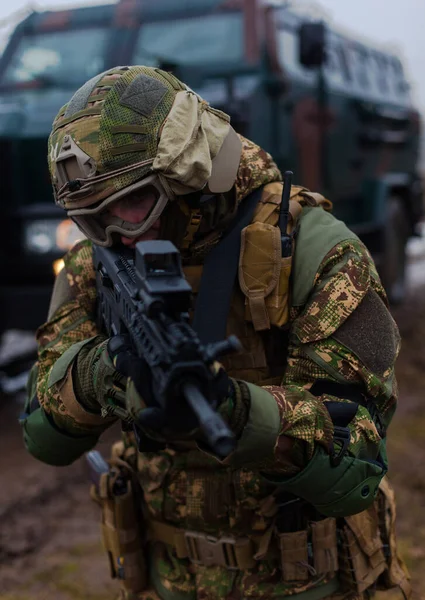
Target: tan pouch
column 294, row 556
column 361, row 558
column 121, row 533
column 264, row 276
column 396, row 574
column 325, row 548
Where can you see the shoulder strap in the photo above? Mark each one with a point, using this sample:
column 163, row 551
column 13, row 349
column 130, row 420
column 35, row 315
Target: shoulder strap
column 219, row 276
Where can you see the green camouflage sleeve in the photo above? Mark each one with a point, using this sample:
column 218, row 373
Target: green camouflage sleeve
column 72, row 322
column 345, row 334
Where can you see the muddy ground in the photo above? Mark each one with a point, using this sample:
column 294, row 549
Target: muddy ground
column 49, row 532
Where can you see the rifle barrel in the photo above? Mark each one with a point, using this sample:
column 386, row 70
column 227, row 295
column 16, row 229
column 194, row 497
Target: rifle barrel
column 218, row 435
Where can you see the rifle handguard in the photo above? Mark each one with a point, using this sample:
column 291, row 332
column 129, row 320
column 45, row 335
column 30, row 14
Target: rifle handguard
column 147, row 297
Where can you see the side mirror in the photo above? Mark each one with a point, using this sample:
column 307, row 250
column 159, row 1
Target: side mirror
column 312, row 45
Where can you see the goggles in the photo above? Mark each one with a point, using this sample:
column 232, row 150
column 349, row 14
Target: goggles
column 99, row 225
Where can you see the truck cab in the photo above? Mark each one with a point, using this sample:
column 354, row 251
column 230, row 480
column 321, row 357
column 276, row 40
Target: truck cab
column 333, row 110
column 49, row 55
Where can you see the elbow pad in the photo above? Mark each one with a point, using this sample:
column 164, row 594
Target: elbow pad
column 50, row 445
column 336, row 491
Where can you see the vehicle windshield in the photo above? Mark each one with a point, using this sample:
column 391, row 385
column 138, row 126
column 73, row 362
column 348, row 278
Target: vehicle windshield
column 194, row 41
column 62, row 56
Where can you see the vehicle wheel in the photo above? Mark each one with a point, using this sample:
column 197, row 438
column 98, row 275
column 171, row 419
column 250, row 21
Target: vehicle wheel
column 395, row 236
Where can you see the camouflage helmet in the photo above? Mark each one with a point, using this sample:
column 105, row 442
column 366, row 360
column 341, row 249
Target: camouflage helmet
column 132, row 127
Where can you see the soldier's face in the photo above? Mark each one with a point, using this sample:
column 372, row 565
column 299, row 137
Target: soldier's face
column 134, row 208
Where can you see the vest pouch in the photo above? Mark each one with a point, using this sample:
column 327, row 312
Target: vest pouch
column 361, row 557
column 300, row 558
column 264, row 276
column 325, row 547
column 395, row 574
column 278, row 301
column 121, row 535
column 294, row 552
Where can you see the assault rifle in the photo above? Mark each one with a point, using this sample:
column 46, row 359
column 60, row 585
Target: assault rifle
column 146, row 296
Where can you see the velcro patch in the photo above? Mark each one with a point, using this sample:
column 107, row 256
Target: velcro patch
column 80, row 98
column 371, row 333
column 143, row 94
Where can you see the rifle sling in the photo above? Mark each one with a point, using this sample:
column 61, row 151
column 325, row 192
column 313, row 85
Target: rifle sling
column 219, row 275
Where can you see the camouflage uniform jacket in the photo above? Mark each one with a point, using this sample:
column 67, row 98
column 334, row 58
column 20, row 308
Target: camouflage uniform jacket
column 183, row 488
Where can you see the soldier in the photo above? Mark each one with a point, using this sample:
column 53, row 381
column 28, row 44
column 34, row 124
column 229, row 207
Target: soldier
column 301, row 507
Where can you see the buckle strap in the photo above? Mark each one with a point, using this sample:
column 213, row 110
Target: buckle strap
column 342, row 436
column 232, row 553
column 203, row 549
column 352, row 392
column 170, row 535
column 342, row 413
column 192, row 227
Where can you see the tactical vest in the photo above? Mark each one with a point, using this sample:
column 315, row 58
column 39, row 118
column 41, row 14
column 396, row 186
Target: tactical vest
column 268, row 284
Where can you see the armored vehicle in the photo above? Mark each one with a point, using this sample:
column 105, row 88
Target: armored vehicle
column 330, row 108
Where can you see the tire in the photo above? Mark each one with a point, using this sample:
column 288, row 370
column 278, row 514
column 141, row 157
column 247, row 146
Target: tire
column 394, row 258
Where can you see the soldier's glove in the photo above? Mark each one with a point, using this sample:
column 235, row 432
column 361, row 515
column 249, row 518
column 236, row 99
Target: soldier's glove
column 152, row 419
column 98, row 385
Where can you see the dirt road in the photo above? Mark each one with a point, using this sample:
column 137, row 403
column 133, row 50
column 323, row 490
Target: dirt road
column 49, row 528
column 49, row 536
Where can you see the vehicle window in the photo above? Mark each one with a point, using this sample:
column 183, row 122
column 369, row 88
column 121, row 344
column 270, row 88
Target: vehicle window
column 200, row 40
column 288, row 49
column 288, row 54
column 381, row 72
column 342, row 53
column 397, row 67
column 396, row 76
column 360, row 62
column 214, row 91
column 332, row 58
column 221, row 91
column 336, row 64
column 70, row 56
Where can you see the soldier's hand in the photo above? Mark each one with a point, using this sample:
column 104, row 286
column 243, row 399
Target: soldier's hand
column 177, row 421
column 139, row 398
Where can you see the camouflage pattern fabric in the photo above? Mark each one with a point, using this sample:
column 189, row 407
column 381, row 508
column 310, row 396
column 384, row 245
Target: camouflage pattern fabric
column 111, row 134
column 256, row 168
column 73, row 322
column 190, row 489
column 345, row 275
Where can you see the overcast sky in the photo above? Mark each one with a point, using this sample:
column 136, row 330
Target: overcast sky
column 396, row 24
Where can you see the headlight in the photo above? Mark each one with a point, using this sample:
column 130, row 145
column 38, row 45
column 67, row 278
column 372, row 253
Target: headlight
column 44, row 236
column 58, row 265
